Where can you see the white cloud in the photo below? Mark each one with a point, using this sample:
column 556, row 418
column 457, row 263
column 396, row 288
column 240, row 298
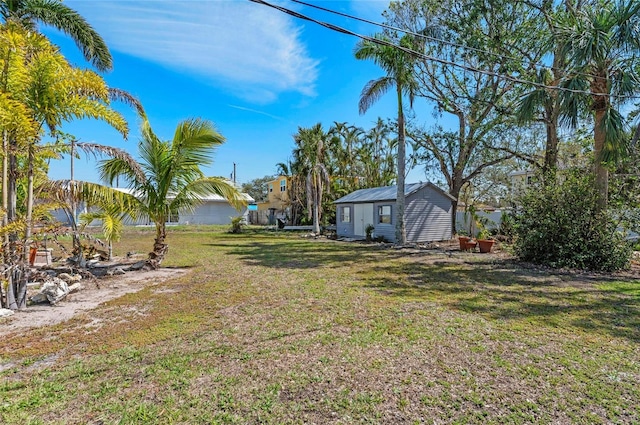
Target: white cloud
column 249, row 49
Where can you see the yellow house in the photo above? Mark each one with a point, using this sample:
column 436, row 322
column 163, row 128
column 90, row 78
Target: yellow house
column 277, row 203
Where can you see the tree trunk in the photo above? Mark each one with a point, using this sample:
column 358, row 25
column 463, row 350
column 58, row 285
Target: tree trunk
column 551, row 148
column 17, row 283
column 316, row 208
column 552, row 112
column 455, row 192
column 5, row 172
column 601, row 172
column 600, row 106
column 29, row 224
column 401, row 234
column 160, row 248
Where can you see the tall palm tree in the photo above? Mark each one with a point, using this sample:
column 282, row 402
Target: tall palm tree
column 54, row 13
column 600, row 43
column 310, row 155
column 171, row 180
column 398, row 66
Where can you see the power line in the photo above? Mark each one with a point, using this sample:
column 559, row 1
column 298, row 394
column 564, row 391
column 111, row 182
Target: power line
column 415, row 34
column 431, row 38
column 429, row 57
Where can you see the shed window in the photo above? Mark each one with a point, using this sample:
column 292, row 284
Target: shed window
column 270, row 187
column 384, row 214
column 345, row 214
column 283, row 185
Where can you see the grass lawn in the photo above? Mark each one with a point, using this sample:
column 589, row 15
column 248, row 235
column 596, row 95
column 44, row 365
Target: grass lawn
column 273, row 328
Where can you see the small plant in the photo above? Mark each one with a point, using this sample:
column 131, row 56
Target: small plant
column 369, row 232
column 483, row 234
column 507, row 226
column 237, row 224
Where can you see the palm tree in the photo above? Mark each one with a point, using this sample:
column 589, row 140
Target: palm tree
column 310, row 155
column 398, row 66
column 112, row 216
column 113, row 206
column 54, row 13
column 171, row 180
column 600, row 43
column 378, row 155
column 344, row 141
column 48, row 90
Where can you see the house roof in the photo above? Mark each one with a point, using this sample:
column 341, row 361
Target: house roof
column 387, row 193
column 211, row 198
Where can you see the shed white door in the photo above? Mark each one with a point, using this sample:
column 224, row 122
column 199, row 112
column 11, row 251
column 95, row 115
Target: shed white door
column 362, row 216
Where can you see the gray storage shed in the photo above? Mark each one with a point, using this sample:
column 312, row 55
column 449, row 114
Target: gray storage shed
column 427, row 213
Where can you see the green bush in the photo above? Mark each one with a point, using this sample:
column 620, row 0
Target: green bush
column 237, row 224
column 559, row 225
column 369, row 232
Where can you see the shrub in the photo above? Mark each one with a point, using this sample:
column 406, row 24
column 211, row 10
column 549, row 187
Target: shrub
column 369, row 232
column 237, row 224
column 560, row 225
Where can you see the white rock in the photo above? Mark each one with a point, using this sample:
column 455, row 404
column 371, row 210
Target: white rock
column 55, row 290
column 5, row 312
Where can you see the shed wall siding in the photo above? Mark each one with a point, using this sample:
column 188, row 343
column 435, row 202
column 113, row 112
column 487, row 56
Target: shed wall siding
column 428, row 216
column 384, row 229
column 344, row 230
column 211, row 213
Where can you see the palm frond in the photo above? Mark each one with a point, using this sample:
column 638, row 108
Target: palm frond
column 97, row 149
column 70, row 22
column 195, row 192
column 616, row 141
column 373, row 91
column 128, row 99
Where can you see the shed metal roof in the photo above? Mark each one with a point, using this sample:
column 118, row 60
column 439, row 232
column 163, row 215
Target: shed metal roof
column 386, row 193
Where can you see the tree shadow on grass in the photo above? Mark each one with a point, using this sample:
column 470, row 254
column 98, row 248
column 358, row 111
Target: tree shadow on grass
column 299, row 254
column 509, row 292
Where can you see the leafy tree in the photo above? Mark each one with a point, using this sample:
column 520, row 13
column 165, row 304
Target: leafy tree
column 168, row 177
column 398, row 66
column 257, row 188
column 481, row 103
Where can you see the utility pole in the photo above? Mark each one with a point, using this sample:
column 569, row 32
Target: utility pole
column 234, row 173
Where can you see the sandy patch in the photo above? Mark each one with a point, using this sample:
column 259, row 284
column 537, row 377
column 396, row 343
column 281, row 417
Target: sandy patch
column 95, row 292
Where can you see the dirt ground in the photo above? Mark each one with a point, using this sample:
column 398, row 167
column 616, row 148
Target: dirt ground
column 95, row 292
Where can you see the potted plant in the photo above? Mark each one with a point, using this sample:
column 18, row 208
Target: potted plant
column 484, row 241
column 463, row 239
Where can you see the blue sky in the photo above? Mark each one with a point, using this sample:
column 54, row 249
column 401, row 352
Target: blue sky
column 257, row 73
